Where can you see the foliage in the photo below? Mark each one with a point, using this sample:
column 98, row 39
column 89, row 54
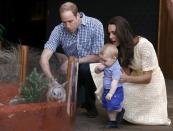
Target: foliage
column 35, row 88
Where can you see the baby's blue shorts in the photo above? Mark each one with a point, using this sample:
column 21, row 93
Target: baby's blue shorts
column 116, row 102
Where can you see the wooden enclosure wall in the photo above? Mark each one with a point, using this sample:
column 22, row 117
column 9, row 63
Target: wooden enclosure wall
column 165, row 41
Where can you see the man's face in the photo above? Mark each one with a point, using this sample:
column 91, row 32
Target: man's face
column 71, row 22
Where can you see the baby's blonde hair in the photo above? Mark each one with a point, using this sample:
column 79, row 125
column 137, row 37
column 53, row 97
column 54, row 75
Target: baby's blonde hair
column 112, row 49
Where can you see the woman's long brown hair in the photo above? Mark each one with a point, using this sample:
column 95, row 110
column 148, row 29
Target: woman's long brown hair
column 125, row 35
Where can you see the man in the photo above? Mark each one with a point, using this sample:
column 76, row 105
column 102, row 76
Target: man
column 82, row 37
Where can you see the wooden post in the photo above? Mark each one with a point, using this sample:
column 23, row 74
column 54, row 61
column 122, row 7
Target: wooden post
column 23, row 63
column 72, row 78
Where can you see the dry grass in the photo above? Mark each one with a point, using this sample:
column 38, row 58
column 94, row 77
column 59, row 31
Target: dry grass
column 55, row 62
column 9, row 64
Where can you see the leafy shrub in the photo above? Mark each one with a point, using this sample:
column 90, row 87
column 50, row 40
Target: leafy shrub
column 35, row 88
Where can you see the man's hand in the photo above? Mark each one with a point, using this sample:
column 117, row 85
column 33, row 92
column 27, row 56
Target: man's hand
column 56, row 91
column 53, row 82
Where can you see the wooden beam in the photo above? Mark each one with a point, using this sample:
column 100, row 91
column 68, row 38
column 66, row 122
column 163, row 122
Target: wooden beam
column 23, row 63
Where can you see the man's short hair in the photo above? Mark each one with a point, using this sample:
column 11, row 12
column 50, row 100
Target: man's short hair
column 69, row 6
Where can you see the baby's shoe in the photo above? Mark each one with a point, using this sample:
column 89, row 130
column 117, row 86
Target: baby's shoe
column 111, row 124
column 120, row 116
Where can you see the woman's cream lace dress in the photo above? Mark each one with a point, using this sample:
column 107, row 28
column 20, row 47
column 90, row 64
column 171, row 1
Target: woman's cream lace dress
column 146, row 103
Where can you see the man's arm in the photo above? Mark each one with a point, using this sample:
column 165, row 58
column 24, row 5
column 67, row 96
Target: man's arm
column 97, row 44
column 89, row 59
column 44, row 63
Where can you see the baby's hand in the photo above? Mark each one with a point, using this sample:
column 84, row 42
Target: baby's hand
column 99, row 68
column 109, row 96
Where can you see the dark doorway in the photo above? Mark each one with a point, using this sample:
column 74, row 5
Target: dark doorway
column 33, row 20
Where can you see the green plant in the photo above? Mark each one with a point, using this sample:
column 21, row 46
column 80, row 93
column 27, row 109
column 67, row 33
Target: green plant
column 35, row 88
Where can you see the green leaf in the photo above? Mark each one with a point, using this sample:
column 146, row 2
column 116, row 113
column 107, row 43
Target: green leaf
column 35, row 88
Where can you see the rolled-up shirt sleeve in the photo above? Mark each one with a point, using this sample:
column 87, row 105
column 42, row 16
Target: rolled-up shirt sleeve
column 54, row 39
column 98, row 38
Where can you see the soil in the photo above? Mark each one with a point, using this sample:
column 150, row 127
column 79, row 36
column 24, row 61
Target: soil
column 48, row 116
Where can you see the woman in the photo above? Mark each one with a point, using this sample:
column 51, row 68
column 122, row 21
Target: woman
column 144, row 84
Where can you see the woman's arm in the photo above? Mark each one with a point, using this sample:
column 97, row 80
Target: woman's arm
column 145, row 78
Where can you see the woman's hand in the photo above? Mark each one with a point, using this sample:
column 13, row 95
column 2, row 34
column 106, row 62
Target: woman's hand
column 144, row 78
column 124, row 77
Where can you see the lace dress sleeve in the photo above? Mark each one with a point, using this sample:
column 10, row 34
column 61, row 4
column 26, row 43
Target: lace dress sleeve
column 148, row 56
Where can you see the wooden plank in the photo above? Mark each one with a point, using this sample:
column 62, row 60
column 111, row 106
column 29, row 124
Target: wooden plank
column 165, row 41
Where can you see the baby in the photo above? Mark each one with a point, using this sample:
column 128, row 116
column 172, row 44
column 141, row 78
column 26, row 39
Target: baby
column 113, row 95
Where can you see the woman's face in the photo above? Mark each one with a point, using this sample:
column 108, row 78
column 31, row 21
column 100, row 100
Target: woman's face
column 112, row 34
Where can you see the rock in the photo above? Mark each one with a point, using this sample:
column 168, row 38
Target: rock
column 17, row 100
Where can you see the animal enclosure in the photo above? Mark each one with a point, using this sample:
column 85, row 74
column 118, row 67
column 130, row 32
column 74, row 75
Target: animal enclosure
column 39, row 116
